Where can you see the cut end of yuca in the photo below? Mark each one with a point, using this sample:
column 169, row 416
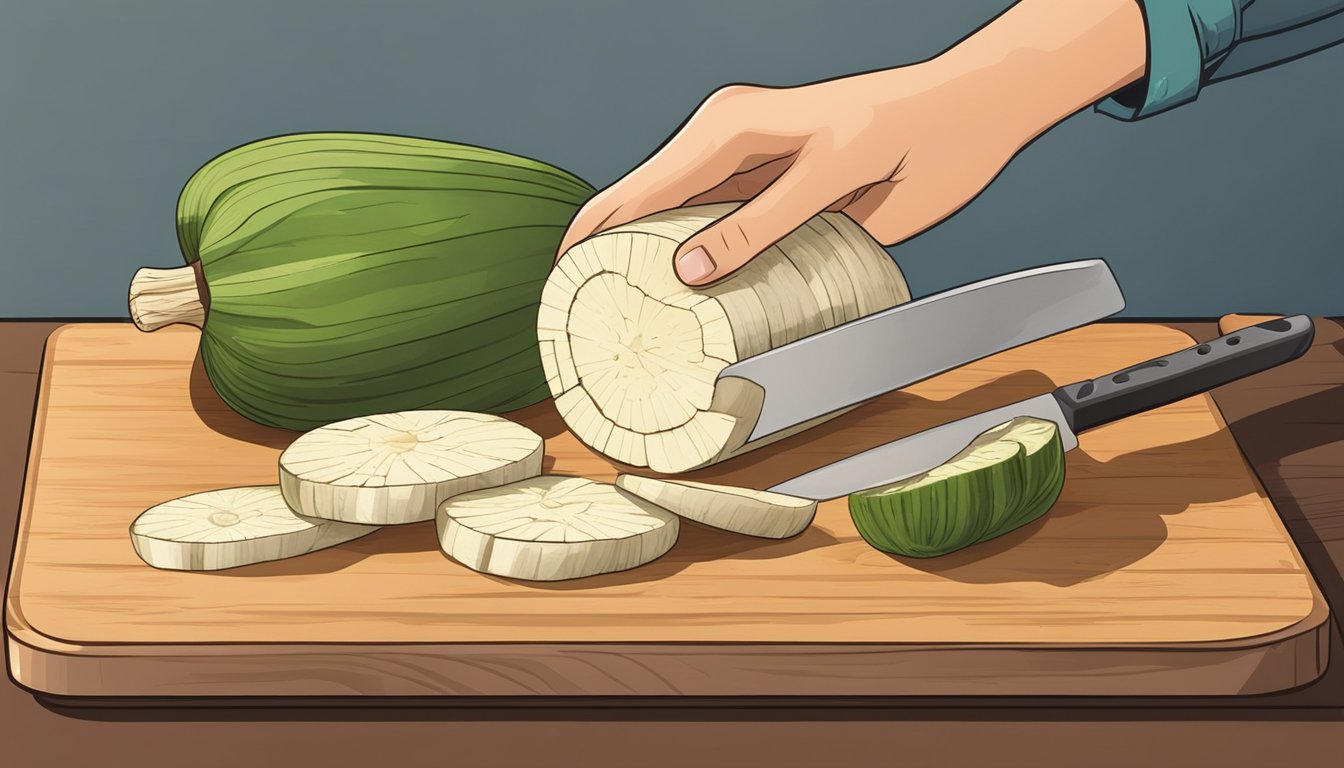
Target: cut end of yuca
column 395, row 468
column 230, row 527
column 741, row 510
column 633, row 364
column 632, row 355
column 552, row 528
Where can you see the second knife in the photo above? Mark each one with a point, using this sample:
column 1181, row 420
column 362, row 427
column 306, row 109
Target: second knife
column 1073, row 407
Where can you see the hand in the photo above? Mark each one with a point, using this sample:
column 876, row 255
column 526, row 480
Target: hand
column 897, row 150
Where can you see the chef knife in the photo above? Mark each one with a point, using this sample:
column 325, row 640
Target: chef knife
column 1074, row 407
column 897, row 347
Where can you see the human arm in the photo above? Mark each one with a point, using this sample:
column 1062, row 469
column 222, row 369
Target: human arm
column 898, row 150
column 1193, row 43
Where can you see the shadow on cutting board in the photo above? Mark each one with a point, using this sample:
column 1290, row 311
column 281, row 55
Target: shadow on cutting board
column 695, row 544
column 218, row 416
column 541, row 418
column 1097, row 527
column 389, row 541
column 1098, row 540
column 1270, row 432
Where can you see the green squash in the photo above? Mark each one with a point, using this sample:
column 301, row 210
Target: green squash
column 337, row 275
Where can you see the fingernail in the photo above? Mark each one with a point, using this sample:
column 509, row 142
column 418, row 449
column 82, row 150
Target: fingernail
column 694, row 265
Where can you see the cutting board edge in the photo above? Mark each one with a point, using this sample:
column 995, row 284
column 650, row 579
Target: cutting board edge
column 1273, row 663
column 14, row 619
column 1318, row 618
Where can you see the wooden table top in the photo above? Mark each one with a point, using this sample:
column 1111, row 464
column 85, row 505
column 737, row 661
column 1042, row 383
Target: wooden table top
column 1288, row 422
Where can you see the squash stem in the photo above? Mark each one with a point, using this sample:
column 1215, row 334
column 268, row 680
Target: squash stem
column 162, row 297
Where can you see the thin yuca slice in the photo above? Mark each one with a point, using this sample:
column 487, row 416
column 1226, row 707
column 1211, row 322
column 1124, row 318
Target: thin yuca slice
column 741, row 510
column 551, row 528
column 1007, row 477
column 230, row 527
column 395, row 468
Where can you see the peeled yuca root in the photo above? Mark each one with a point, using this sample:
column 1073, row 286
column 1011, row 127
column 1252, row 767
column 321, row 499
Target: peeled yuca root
column 742, row 510
column 230, row 527
column 552, row 528
column 632, row 354
column 395, row 468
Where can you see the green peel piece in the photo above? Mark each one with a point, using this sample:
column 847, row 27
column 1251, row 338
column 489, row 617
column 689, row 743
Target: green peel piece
column 1007, row 477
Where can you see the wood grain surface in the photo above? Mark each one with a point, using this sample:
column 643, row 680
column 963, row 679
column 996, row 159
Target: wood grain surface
column 1288, row 422
column 1162, row 570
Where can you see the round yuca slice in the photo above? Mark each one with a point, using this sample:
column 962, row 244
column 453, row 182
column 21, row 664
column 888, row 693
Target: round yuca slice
column 230, row 527
column 632, row 355
column 552, row 528
column 741, row 510
column 395, row 468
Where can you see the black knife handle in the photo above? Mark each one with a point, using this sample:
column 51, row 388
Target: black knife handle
column 1169, row 378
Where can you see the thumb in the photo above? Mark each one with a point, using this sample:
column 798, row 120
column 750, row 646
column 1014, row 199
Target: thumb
column 725, row 246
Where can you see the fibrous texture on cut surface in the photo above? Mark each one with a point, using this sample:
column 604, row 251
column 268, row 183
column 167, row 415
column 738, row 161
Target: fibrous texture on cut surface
column 395, row 468
column 551, row 528
column 742, row 510
column 632, row 354
column 231, row 527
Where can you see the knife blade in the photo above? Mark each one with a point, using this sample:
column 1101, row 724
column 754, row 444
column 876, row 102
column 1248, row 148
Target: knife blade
column 1074, row 407
column 897, row 347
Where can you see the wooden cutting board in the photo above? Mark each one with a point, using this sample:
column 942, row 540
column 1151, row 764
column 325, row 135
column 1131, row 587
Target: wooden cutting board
column 1163, row 569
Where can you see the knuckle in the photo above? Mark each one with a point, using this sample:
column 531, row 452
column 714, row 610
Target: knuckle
column 731, row 95
column 735, row 236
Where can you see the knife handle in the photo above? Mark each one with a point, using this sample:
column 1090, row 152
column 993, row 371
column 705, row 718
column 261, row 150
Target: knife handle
column 1196, row 369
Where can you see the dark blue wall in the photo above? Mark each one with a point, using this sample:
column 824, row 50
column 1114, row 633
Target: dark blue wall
column 1233, row 203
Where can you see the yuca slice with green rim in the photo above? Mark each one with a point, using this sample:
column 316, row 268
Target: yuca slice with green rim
column 741, row 510
column 945, row 509
column 1007, row 477
column 1044, row 453
column 552, row 528
column 395, row 468
column 230, row 527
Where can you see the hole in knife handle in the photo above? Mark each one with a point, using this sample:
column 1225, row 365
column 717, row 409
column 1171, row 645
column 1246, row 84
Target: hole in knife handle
column 1085, row 390
column 1233, row 341
column 1202, row 349
column 1278, row 326
column 1124, row 376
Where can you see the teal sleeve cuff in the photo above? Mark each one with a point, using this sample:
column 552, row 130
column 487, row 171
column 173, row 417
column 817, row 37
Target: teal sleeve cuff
column 1186, row 38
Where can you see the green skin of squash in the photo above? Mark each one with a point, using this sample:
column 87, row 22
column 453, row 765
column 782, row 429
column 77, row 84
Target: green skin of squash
column 352, row 274
column 996, row 485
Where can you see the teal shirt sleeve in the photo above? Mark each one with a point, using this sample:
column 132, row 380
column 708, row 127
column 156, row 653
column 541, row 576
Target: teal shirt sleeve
column 1192, row 43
